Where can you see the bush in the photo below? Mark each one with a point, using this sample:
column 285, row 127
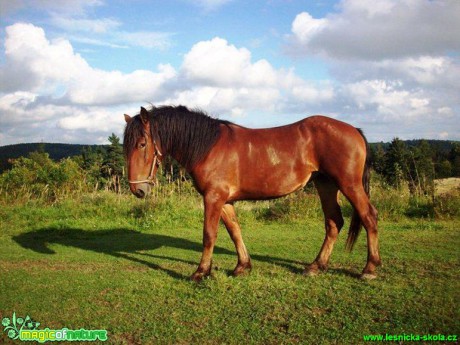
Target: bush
column 38, row 177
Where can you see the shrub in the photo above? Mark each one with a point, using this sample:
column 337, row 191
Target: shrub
column 38, row 177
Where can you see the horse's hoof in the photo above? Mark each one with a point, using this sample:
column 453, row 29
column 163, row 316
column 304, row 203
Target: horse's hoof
column 310, row 272
column 241, row 270
column 198, row 277
column 368, row 276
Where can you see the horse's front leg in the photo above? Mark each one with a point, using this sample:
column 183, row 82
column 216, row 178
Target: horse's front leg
column 234, row 230
column 213, row 203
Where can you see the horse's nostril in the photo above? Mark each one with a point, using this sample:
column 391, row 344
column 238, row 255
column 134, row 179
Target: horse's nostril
column 139, row 193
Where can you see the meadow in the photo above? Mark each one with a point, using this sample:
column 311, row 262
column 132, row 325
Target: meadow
column 109, row 261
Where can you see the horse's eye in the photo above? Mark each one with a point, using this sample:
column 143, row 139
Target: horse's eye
column 142, row 145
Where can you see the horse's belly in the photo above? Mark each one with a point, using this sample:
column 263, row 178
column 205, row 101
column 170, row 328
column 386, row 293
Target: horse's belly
column 271, row 184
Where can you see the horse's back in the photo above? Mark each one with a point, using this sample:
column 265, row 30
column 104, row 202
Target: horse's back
column 271, row 162
column 314, row 141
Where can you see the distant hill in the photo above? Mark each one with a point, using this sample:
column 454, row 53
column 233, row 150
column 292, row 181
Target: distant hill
column 56, row 151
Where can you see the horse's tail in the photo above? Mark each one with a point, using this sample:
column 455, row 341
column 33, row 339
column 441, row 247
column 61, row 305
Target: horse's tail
column 356, row 223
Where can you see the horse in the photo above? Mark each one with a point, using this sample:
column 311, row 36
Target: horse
column 229, row 163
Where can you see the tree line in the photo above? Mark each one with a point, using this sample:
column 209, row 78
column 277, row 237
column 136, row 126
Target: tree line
column 416, row 165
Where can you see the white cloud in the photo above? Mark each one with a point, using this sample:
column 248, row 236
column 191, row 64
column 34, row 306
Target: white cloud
column 144, row 39
column 228, row 101
column 75, row 20
column 218, row 63
column 443, row 135
column 74, row 7
column 102, row 87
column 13, row 105
column 53, row 67
column 305, row 27
column 423, row 70
column 119, row 39
column 367, row 9
column 106, row 32
column 309, row 92
column 388, row 100
column 445, row 111
column 101, row 42
column 394, row 62
column 97, row 26
column 26, row 117
column 223, row 78
column 35, row 63
column 49, row 89
column 372, row 30
column 92, row 119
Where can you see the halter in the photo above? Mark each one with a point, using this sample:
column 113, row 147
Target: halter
column 156, row 162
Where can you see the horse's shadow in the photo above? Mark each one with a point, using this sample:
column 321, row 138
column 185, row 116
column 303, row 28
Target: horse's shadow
column 124, row 243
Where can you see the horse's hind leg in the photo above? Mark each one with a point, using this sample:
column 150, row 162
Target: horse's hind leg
column 234, row 230
column 368, row 214
column 328, row 192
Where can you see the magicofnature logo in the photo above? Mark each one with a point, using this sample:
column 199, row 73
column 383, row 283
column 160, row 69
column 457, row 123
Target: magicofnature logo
column 26, row 329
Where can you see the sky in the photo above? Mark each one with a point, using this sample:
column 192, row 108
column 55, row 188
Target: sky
column 70, row 69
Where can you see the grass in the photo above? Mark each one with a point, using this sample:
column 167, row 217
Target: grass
column 447, row 185
column 106, row 261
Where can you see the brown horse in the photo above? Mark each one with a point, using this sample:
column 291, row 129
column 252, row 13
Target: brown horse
column 229, row 163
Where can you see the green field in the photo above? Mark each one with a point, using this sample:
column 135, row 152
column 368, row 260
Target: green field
column 107, row 261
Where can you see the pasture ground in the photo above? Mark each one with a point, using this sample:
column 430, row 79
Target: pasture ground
column 112, row 262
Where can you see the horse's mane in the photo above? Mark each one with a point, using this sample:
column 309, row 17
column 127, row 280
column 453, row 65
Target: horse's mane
column 186, row 135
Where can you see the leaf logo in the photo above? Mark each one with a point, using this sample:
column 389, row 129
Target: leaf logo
column 15, row 325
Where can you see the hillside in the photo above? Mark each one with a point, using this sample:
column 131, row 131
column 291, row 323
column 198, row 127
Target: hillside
column 56, row 151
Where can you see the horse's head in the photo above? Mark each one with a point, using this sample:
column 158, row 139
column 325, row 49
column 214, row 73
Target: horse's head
column 142, row 152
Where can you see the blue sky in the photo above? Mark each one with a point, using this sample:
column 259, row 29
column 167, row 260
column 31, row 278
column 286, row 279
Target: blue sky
column 69, row 69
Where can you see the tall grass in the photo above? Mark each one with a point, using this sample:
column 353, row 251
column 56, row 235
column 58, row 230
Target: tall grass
column 392, row 203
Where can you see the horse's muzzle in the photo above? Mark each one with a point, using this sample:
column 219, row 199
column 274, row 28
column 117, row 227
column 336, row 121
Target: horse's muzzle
column 141, row 190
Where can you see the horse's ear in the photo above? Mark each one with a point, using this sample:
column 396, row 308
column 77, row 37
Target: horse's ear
column 144, row 115
column 128, row 118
